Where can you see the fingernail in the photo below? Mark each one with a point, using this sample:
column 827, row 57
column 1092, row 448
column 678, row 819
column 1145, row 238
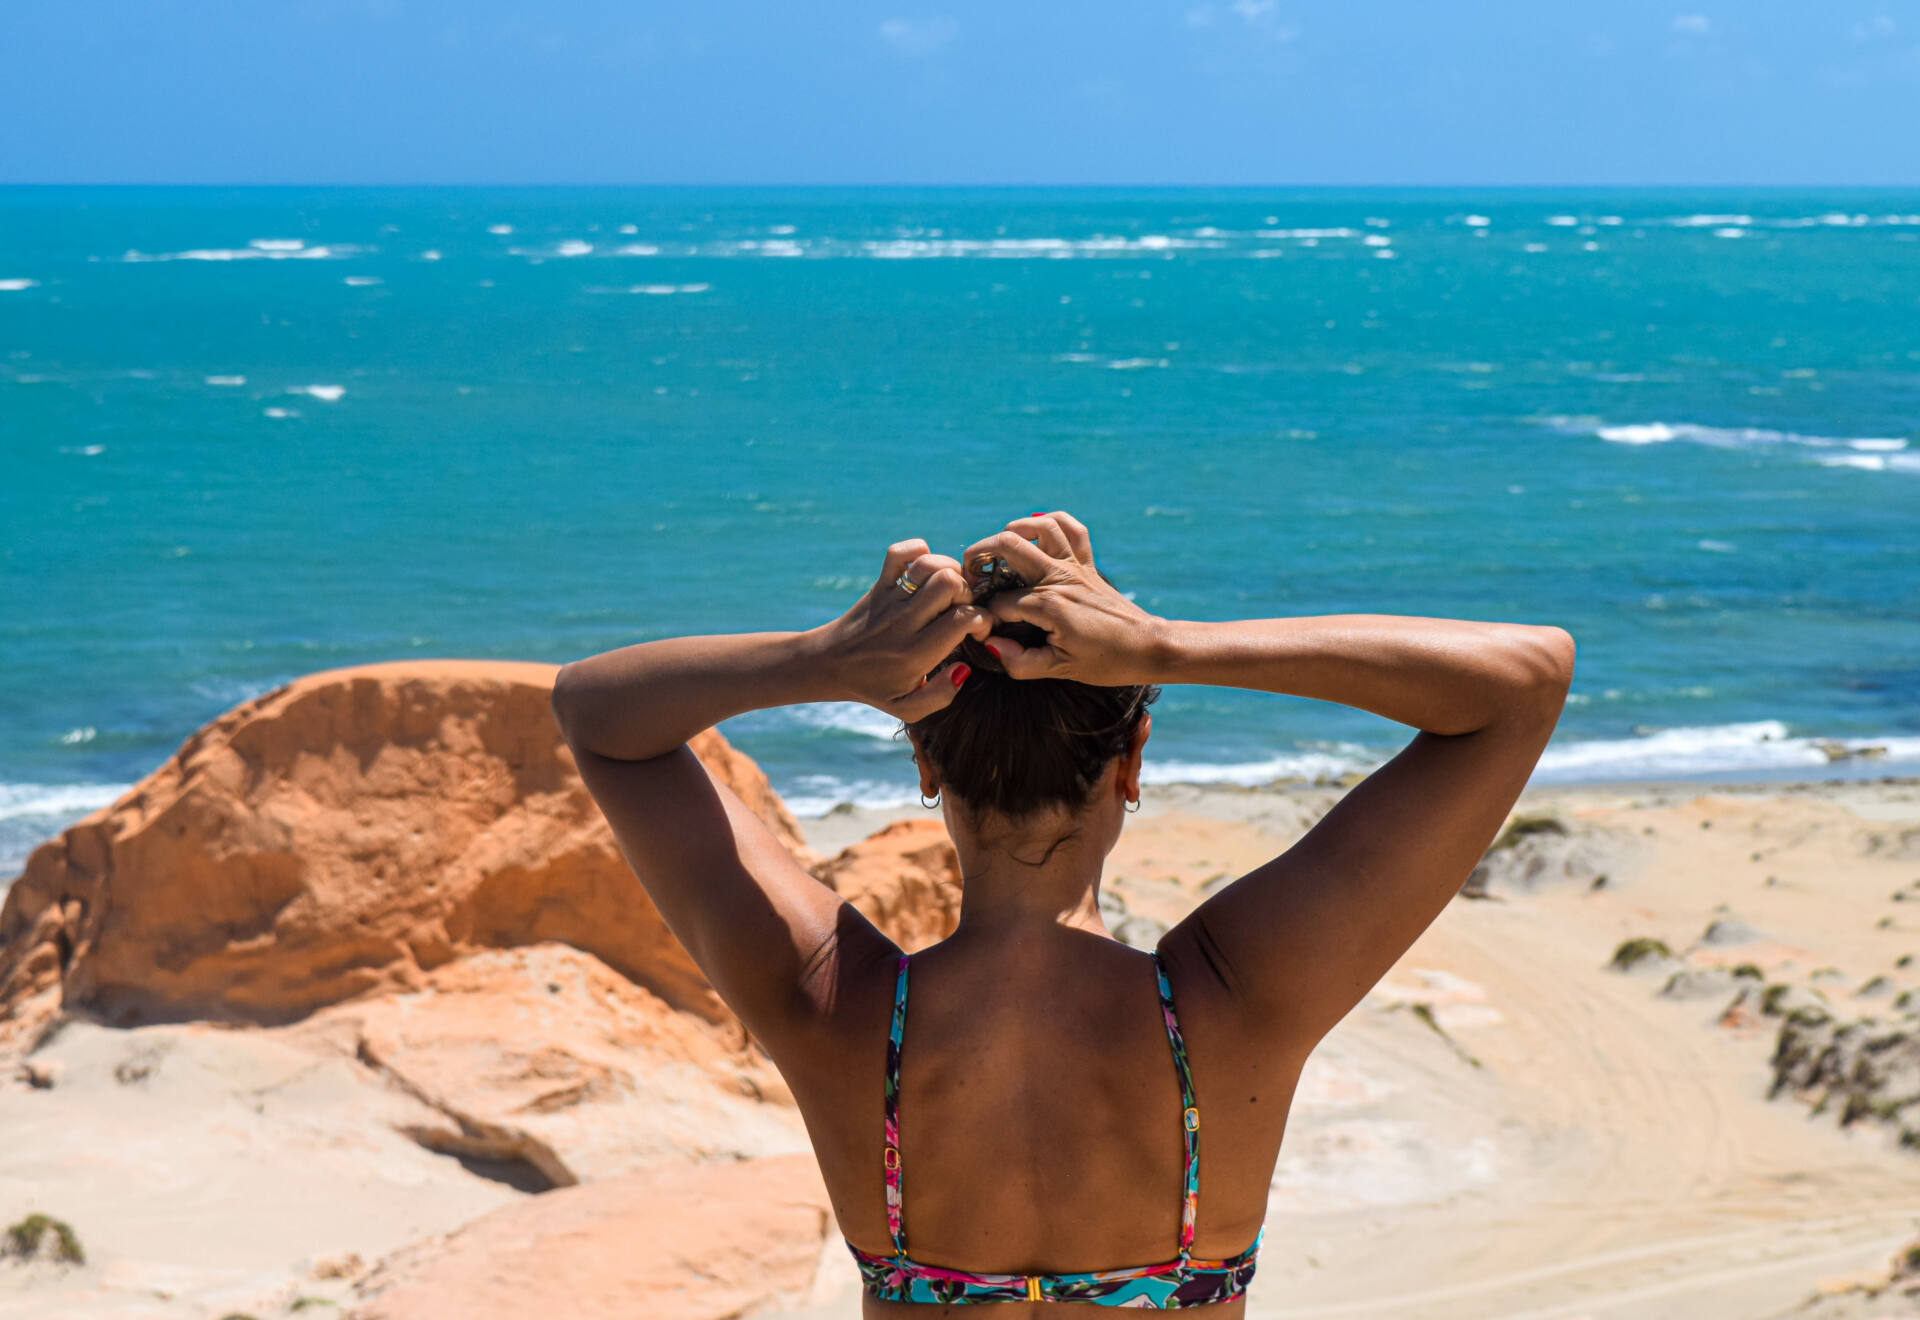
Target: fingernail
column 1038, row 513
column 993, row 650
column 960, row 673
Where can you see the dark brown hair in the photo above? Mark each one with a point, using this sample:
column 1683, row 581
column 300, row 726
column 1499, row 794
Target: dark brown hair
column 1016, row 746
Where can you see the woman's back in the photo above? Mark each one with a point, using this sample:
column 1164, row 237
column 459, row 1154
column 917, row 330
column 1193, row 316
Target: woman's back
column 1040, row 1112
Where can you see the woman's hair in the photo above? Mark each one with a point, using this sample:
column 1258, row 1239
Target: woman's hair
column 1016, row 746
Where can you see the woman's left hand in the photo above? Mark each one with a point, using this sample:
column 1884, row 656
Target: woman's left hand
column 884, row 651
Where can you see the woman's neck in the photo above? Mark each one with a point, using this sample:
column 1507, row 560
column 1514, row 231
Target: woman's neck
column 1019, row 885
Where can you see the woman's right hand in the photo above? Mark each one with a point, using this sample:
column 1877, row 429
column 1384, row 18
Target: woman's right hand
column 1094, row 634
column 884, row 651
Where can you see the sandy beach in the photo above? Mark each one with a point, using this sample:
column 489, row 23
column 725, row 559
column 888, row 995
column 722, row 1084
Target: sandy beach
column 1513, row 1124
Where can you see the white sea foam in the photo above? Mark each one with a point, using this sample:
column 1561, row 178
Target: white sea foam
column 226, row 380
column 572, row 247
column 501, row 230
column 280, row 414
column 1475, row 221
column 1306, row 233
column 1377, row 240
column 1763, row 745
column 847, row 716
column 657, row 290
column 637, row 250
column 1309, row 765
column 1730, row 232
column 629, row 229
column 1135, row 364
column 324, row 253
column 1872, row 462
column 17, row 800
column 277, row 244
column 431, row 254
column 1874, row 453
column 363, row 281
column 325, row 393
column 1563, row 221
column 16, row 285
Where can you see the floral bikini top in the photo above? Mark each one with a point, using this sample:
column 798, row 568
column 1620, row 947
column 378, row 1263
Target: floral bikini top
column 1182, row 1281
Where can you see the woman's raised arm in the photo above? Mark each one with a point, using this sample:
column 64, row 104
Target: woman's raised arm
column 1298, row 942
column 767, row 935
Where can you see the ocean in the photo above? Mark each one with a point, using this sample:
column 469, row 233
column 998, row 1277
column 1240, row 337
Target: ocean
column 252, row 433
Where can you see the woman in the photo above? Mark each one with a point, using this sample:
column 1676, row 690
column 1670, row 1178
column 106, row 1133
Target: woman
column 1025, row 1122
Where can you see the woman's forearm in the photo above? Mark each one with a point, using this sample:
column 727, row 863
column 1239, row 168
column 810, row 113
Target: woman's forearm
column 1446, row 676
column 644, row 700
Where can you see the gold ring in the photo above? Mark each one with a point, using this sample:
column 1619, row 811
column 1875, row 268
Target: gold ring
column 905, row 581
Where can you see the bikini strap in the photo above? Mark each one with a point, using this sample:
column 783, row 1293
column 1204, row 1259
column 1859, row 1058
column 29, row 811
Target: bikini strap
column 1189, row 1111
column 891, row 1160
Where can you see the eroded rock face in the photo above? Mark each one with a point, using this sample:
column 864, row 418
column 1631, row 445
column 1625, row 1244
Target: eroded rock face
column 905, row 880
column 544, row 1057
column 348, row 832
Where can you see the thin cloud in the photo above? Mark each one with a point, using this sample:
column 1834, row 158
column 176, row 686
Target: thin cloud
column 1694, row 25
column 918, row 36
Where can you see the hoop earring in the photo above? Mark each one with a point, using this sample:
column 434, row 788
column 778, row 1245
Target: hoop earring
column 929, row 805
column 1132, row 806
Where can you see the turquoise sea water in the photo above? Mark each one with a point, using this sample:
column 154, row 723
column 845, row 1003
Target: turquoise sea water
column 249, row 434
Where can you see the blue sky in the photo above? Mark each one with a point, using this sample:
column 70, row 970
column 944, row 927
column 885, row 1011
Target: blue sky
column 992, row 91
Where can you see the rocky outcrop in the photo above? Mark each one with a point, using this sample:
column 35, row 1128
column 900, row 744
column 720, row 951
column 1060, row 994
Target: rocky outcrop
column 348, row 832
column 549, row 1069
column 905, row 880
column 684, row 1244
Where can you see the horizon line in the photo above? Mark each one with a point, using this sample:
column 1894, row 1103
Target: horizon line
column 1025, row 185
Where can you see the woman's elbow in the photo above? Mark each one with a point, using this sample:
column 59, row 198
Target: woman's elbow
column 1542, row 664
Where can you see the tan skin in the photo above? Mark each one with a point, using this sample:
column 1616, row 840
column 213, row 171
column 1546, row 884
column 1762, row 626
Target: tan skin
column 1039, row 1107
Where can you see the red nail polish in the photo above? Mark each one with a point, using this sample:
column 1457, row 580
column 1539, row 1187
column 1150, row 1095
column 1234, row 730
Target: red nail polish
column 993, row 650
column 960, row 673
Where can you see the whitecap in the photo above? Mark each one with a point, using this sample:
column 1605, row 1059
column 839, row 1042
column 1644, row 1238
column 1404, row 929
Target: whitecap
column 243, row 254
column 848, row 717
column 1135, row 364
column 1476, row 221
column 1377, row 240
column 637, row 250
column 1730, row 232
column 1536, row 247
column 1343, row 760
column 501, row 230
column 17, row 800
column 226, row 380
column 279, row 414
column 431, row 254
column 655, row 289
column 1708, row 749
column 1717, row 547
column 16, row 285
column 325, row 393
column 572, row 247
column 276, row 244
column 362, row 281
column 629, row 229
column 1726, row 437
column 1563, row 221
